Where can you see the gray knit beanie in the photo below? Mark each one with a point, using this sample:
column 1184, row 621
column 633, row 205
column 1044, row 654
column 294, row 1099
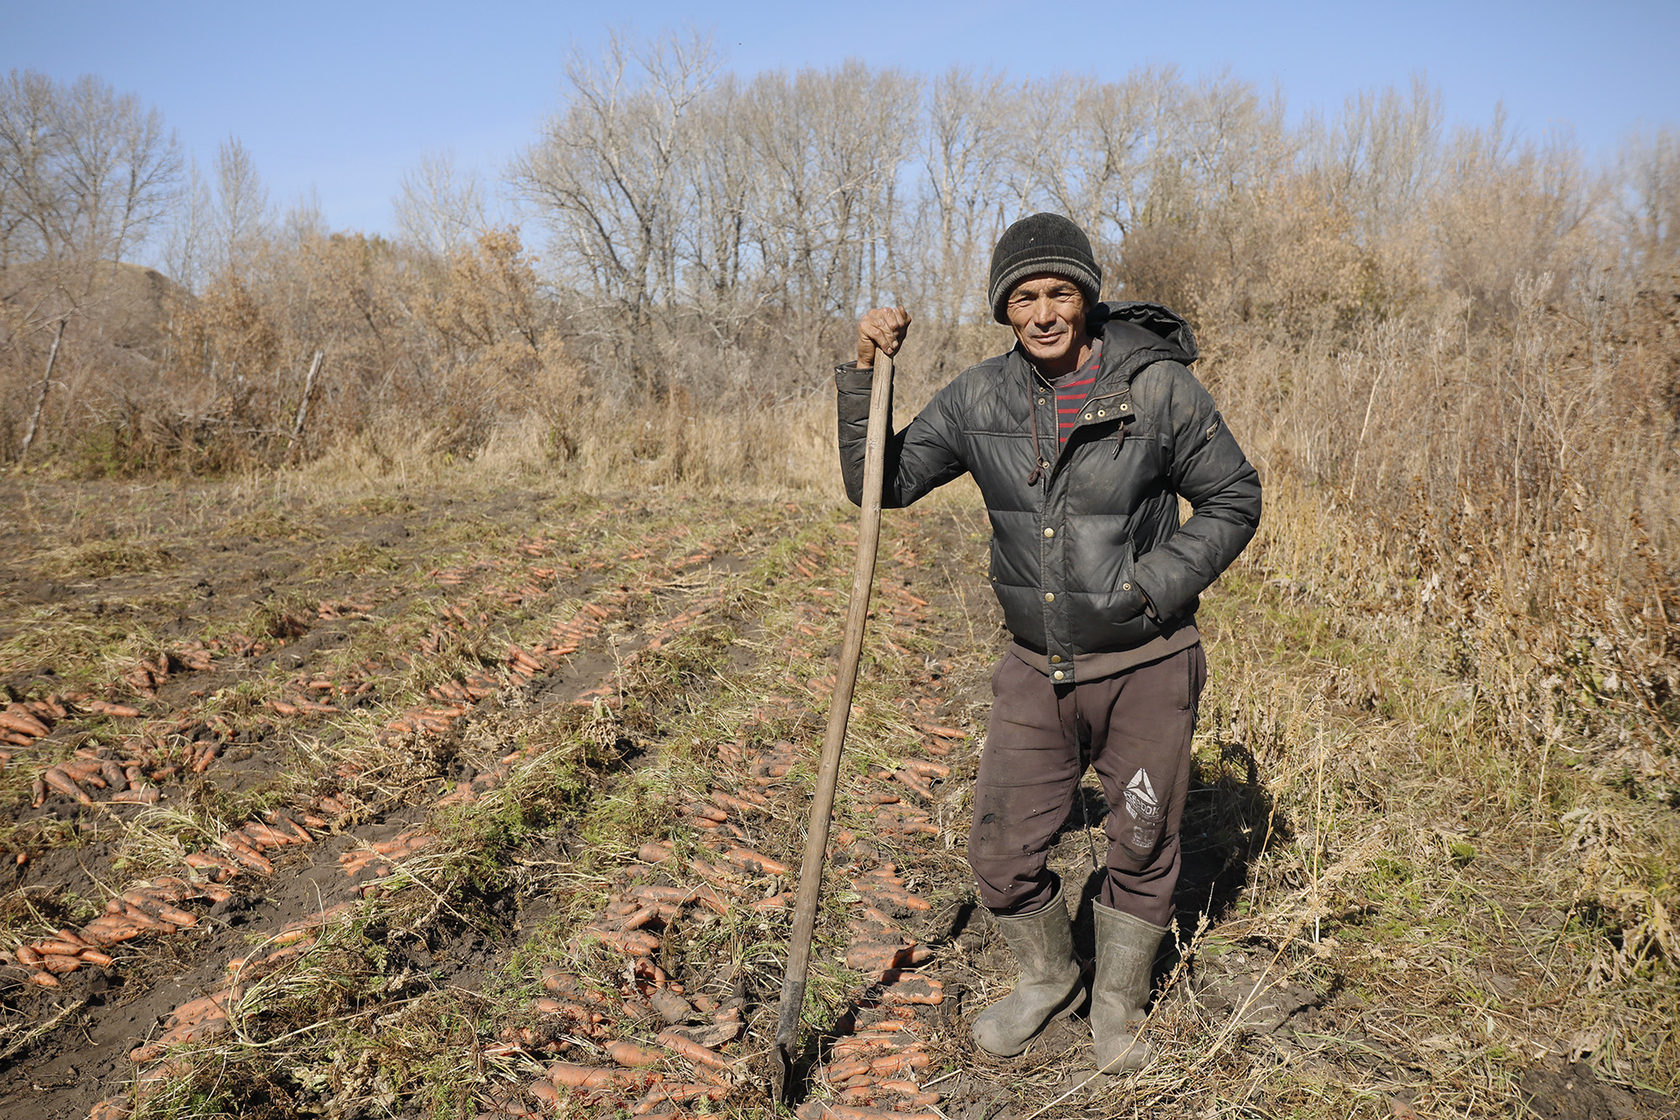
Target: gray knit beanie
column 1042, row 243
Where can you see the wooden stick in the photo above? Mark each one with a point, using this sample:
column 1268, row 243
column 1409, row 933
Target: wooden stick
column 839, row 711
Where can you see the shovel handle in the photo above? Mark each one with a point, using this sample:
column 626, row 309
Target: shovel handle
column 839, row 711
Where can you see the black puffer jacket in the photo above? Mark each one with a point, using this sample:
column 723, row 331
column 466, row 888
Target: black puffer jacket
column 1089, row 557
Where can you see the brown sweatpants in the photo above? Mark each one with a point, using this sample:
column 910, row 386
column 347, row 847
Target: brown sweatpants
column 1136, row 727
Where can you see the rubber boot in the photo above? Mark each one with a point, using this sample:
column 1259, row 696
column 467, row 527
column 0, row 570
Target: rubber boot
column 1050, row 983
column 1125, row 959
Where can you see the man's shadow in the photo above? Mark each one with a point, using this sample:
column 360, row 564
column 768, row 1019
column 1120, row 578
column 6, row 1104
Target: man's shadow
column 1230, row 818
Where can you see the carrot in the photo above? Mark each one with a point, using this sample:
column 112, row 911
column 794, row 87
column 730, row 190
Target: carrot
column 59, row 964
column 57, row 945
column 248, row 855
column 63, row 783
column 654, row 851
column 583, row 1077
column 939, row 732
column 627, row 1053
column 655, row 892
column 83, row 768
column 693, row 1051
column 641, row 917
column 713, row 873
column 897, row 896
column 914, row 784
column 679, row 1092
column 160, row 909
column 713, row 901
column 852, row 1112
column 902, row 1062
column 204, row 1007
column 112, row 1108
column 633, row 943
column 291, row 935
column 209, row 861
column 914, row 989
column 284, row 824
column 94, row 956
column 847, row 1069
column 38, row 792
column 909, row 1089
column 752, row 860
column 43, row 979
column 109, row 929
column 267, row 834
column 20, row 719
column 113, row 774
column 117, row 908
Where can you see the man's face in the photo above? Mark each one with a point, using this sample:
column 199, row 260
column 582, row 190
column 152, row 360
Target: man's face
column 1048, row 315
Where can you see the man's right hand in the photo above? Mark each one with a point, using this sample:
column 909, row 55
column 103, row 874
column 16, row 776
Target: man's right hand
column 882, row 329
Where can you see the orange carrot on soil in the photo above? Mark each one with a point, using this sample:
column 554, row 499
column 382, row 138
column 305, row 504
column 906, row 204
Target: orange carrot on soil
column 693, row 1051
column 846, row 1069
column 628, row 1054
column 63, row 783
column 20, row 719
column 583, row 1077
column 678, row 1092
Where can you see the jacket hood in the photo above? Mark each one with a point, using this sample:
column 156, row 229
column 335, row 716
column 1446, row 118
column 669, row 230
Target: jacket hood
column 1177, row 341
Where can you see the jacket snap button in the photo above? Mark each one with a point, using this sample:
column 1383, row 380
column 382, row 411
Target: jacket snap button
column 1058, row 674
column 1125, row 408
column 1049, row 532
column 1055, row 659
column 1087, row 416
column 1049, row 596
column 1102, row 412
column 1125, row 587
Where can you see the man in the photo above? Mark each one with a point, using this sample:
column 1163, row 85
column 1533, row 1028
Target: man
column 1082, row 438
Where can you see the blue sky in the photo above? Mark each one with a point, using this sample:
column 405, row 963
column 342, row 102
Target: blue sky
column 344, row 98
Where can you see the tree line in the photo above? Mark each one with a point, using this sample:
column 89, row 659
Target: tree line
column 711, row 237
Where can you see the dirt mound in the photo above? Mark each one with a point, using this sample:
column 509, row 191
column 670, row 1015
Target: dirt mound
column 117, row 314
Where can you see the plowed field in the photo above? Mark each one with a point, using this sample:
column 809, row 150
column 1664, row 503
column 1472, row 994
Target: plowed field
column 459, row 804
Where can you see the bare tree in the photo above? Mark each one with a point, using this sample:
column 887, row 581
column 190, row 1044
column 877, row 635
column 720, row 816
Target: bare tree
column 1648, row 207
column 242, row 215
column 187, row 245
column 966, row 150
column 1384, row 156
column 440, row 208
column 607, row 179
column 831, row 144
column 725, row 192
column 85, row 175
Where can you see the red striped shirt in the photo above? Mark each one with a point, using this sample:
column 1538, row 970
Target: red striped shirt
column 1073, row 389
